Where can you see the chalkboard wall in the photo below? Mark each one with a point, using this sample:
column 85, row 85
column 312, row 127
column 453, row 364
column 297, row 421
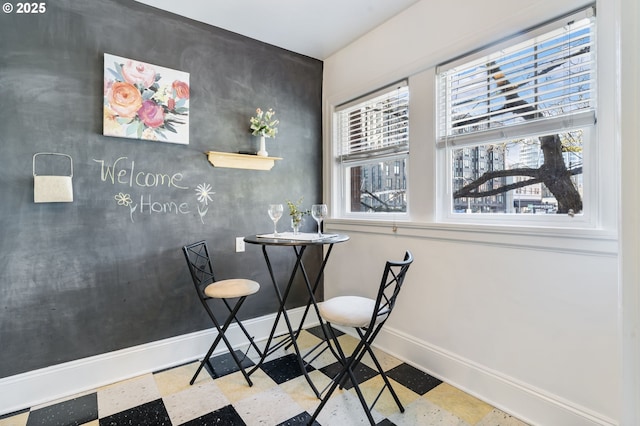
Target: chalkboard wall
column 106, row 271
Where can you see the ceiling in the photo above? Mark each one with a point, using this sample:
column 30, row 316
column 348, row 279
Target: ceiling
column 315, row 28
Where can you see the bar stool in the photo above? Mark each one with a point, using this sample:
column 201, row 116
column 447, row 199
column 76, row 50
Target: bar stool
column 366, row 316
column 201, row 269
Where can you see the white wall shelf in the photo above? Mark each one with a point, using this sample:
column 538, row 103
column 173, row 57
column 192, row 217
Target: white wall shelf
column 241, row 161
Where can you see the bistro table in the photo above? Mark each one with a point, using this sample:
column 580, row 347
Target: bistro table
column 299, row 243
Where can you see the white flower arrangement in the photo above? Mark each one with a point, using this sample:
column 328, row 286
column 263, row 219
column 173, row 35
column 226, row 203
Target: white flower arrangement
column 263, row 123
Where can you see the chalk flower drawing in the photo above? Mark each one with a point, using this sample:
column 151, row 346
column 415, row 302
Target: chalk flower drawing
column 143, row 101
column 123, row 199
column 204, row 193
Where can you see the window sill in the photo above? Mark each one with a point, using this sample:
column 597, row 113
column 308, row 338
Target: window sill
column 570, row 240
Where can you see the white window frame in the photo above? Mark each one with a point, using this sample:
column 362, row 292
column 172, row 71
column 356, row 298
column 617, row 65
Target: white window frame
column 342, row 162
column 446, row 145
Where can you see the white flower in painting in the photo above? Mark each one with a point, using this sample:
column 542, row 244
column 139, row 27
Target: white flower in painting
column 149, row 135
column 163, row 94
column 204, row 192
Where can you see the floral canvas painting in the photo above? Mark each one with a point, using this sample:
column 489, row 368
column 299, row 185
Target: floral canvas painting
column 144, row 101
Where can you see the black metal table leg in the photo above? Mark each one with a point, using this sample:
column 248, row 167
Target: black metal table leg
column 299, row 248
column 282, row 312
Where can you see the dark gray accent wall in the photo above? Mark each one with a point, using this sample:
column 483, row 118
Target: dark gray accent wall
column 84, row 278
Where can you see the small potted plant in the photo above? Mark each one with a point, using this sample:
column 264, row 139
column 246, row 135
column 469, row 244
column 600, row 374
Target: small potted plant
column 265, row 126
column 297, row 214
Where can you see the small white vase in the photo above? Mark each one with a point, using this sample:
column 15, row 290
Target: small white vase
column 262, row 152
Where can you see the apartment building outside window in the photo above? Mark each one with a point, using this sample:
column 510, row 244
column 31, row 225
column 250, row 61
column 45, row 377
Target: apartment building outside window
column 372, row 144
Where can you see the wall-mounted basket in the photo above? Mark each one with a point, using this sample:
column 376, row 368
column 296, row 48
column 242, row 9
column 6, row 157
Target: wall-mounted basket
column 52, row 188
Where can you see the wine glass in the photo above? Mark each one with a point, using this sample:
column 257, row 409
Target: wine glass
column 275, row 213
column 319, row 212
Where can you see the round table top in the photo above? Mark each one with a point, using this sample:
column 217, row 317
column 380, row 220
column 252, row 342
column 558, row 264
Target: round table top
column 289, row 239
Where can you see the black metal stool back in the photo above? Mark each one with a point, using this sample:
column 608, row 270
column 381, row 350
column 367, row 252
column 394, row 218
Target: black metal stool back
column 201, row 269
column 367, row 317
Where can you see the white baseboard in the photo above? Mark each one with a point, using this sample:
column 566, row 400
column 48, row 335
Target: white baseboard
column 523, row 401
column 59, row 381
column 529, row 404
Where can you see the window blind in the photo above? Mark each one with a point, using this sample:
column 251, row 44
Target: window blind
column 374, row 126
column 544, row 82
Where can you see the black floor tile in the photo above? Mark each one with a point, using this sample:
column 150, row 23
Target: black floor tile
column 284, row 369
column 225, row 364
column 362, row 372
column 412, row 378
column 226, row 416
column 317, row 331
column 300, row 419
column 150, row 414
column 68, row 413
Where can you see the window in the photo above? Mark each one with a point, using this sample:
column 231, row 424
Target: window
column 520, row 117
column 372, row 146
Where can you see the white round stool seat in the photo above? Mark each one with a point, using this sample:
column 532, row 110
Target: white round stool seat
column 228, row 289
column 349, row 311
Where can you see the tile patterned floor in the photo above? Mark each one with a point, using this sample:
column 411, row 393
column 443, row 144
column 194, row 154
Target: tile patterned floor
column 279, row 396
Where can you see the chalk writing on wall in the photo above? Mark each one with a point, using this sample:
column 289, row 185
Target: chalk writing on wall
column 153, row 202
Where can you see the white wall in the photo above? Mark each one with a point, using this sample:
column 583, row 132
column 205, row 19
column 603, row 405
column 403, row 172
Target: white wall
column 630, row 216
column 528, row 321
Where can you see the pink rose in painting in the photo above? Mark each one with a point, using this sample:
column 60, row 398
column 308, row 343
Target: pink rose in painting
column 139, row 73
column 124, row 99
column 151, row 114
column 181, row 88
